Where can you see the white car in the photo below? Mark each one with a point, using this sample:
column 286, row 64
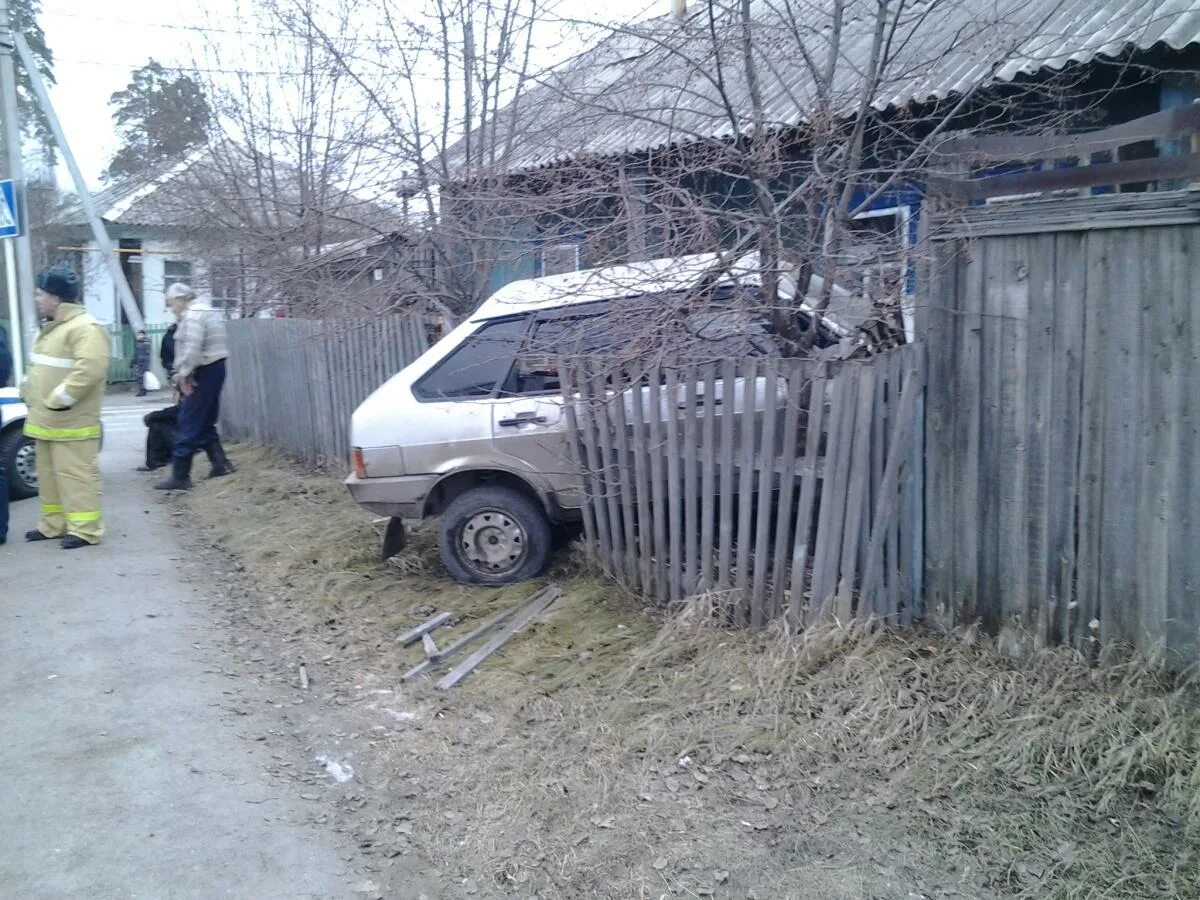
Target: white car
column 474, row 430
column 16, row 450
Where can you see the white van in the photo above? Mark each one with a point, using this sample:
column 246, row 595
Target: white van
column 474, row 431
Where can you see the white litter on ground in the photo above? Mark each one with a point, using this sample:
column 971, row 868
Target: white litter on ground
column 341, row 772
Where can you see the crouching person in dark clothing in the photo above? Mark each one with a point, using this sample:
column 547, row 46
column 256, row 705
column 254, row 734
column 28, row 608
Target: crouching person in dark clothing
column 200, row 353
column 160, row 437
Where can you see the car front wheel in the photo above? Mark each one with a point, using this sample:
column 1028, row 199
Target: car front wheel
column 494, row 535
column 19, row 459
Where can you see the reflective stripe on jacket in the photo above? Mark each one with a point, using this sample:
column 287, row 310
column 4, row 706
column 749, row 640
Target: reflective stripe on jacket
column 64, row 386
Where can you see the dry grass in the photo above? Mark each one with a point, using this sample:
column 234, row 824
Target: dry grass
column 611, row 754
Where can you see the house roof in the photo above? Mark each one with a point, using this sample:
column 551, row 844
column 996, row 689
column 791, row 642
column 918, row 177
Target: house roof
column 133, row 200
column 214, row 186
column 662, row 83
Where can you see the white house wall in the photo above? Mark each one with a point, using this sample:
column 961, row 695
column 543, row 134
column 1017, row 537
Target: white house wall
column 100, row 292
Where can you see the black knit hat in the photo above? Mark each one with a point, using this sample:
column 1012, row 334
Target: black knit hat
column 59, row 281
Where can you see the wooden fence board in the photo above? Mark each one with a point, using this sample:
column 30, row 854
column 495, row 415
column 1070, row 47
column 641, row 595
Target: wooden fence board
column 826, row 554
column 625, row 476
column 708, row 489
column 609, row 474
column 745, row 533
column 675, row 522
column 1183, row 511
column 692, row 398
column 640, row 447
column 1119, row 471
column 760, row 553
column 658, row 499
column 598, row 463
column 856, row 493
column 814, row 436
column 726, row 529
column 1011, row 569
column 1154, row 360
column 573, row 392
column 797, row 381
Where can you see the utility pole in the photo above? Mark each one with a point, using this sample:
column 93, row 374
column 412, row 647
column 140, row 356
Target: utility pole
column 107, row 249
column 20, row 262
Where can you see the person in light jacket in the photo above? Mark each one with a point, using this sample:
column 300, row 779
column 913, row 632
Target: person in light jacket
column 64, row 389
column 200, row 353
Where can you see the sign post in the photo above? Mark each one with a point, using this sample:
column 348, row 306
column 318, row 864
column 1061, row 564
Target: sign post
column 10, row 228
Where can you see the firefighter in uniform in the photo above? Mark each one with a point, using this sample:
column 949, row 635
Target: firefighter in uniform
column 64, row 389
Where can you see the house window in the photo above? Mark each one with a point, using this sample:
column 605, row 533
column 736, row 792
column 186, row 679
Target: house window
column 554, row 259
column 875, row 265
column 225, row 285
column 176, row 271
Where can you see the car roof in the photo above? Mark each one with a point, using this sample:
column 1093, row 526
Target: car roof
column 655, row 276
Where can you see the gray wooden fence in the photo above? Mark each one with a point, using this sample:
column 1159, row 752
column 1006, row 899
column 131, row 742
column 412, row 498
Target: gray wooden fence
column 293, row 383
column 780, row 487
column 1063, row 421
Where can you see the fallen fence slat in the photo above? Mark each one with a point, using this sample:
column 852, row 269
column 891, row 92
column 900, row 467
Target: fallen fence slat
column 534, row 608
column 411, row 637
column 486, row 628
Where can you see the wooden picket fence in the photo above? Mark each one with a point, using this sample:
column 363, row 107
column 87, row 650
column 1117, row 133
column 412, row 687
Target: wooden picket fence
column 294, row 383
column 777, row 487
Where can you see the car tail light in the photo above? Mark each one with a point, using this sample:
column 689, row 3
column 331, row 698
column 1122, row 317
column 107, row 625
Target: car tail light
column 356, row 460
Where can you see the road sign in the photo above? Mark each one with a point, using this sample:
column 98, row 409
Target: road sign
column 10, row 217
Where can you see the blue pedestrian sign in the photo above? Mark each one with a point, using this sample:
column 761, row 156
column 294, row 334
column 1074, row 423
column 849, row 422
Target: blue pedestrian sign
column 10, row 216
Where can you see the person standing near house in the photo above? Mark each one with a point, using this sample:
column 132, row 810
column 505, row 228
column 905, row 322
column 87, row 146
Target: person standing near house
column 64, row 389
column 200, row 354
column 141, row 361
column 166, row 350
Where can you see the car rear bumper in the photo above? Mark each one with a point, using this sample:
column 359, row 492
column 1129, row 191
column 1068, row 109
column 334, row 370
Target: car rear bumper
column 402, row 497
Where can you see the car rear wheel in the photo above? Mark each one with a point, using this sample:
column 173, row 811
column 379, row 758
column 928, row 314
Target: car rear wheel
column 19, row 459
column 494, row 535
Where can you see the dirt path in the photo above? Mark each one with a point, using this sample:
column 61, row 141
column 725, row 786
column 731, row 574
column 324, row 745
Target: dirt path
column 148, row 752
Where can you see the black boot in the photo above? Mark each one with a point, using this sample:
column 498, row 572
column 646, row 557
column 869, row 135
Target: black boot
column 181, row 476
column 220, row 462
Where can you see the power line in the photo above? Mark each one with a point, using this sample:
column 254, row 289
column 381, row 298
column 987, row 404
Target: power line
column 210, row 29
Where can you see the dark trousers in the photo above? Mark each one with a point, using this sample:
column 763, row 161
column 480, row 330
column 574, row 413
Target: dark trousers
column 196, row 428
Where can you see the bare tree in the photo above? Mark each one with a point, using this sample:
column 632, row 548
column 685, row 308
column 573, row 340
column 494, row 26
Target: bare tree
column 794, row 130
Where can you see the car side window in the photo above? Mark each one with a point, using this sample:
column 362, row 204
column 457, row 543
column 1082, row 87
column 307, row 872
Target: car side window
column 536, row 371
column 480, row 364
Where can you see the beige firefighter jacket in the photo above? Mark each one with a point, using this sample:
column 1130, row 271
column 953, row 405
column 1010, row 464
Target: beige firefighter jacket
column 64, row 387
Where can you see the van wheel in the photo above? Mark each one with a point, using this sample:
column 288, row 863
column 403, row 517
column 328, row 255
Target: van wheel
column 19, row 459
column 494, row 535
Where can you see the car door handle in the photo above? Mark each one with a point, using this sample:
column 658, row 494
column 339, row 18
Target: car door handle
column 525, row 418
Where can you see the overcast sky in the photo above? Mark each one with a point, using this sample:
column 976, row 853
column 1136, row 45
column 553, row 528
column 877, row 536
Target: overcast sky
column 97, row 50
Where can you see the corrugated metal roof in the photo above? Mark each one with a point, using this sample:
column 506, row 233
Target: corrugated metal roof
column 217, row 186
column 660, row 83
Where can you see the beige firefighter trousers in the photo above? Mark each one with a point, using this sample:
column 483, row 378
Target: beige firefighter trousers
column 69, row 488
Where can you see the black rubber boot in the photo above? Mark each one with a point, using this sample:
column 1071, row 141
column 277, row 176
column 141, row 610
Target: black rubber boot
column 181, row 476
column 220, row 462
column 36, row 535
column 74, row 542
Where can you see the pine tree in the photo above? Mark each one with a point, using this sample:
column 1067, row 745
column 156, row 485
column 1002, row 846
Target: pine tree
column 159, row 115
